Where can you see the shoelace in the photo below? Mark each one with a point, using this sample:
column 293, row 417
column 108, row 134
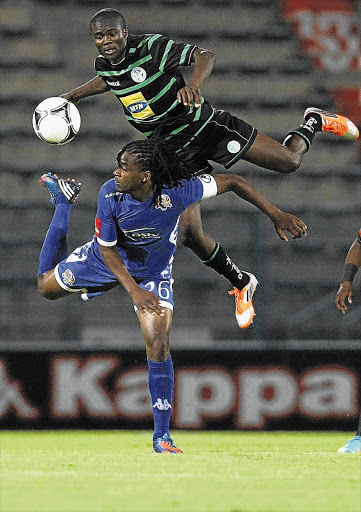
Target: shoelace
column 169, row 447
column 341, row 128
column 69, row 188
column 166, row 445
column 241, row 306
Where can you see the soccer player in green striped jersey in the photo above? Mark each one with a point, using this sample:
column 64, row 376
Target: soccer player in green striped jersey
column 143, row 73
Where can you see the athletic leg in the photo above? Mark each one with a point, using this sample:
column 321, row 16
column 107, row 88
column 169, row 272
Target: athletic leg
column 156, row 331
column 54, row 247
column 270, row 154
column 287, row 157
column 53, row 251
column 212, row 255
column 209, row 251
column 263, row 151
column 49, row 288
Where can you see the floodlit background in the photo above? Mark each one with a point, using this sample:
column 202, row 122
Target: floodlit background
column 274, row 59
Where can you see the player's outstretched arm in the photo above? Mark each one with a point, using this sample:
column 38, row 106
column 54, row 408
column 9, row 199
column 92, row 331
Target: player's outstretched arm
column 146, row 301
column 95, row 86
column 282, row 221
column 345, row 292
column 203, row 61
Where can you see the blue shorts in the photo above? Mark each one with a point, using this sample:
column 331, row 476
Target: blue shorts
column 80, row 272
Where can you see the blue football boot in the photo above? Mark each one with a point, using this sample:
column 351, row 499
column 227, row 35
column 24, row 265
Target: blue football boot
column 56, row 186
column 165, row 444
column 352, row 446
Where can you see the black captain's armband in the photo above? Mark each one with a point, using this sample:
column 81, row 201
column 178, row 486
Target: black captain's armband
column 349, row 272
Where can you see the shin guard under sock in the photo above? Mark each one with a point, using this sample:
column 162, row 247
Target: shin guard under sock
column 307, row 130
column 222, row 263
column 161, row 384
column 55, row 247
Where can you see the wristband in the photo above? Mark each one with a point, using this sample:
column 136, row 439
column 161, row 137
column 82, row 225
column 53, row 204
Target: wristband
column 349, row 272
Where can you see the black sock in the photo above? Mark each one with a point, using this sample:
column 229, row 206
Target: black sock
column 308, row 129
column 222, row 263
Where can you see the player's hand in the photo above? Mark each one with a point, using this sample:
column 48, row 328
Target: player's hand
column 147, row 302
column 68, row 97
column 288, row 222
column 189, row 95
column 344, row 296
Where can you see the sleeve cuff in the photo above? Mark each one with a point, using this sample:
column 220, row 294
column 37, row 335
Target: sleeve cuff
column 209, row 185
column 106, row 244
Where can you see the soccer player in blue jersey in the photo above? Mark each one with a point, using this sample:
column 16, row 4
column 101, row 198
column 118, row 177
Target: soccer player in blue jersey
column 135, row 240
column 344, row 298
column 142, row 71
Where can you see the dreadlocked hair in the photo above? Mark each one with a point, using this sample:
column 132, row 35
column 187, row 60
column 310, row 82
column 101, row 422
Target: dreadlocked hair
column 159, row 157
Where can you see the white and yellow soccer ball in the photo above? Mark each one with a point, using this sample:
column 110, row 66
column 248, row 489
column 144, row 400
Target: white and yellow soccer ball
column 56, row 120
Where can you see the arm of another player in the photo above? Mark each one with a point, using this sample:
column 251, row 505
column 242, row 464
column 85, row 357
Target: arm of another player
column 95, row 86
column 203, row 65
column 146, row 301
column 282, row 221
column 346, row 289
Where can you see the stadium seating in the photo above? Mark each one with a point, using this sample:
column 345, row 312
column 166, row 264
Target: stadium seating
column 261, row 76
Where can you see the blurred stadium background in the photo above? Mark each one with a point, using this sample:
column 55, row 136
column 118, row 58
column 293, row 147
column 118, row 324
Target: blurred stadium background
column 274, row 59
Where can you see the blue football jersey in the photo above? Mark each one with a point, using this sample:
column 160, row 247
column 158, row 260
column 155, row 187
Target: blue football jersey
column 145, row 234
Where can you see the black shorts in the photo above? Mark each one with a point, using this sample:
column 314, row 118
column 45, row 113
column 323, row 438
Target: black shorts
column 224, row 140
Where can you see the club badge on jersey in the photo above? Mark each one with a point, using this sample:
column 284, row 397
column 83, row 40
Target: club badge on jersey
column 233, row 146
column 164, row 203
column 138, row 74
column 68, row 277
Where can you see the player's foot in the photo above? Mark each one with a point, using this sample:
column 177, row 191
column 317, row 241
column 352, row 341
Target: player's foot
column 352, row 446
column 165, row 444
column 335, row 123
column 244, row 303
column 56, row 186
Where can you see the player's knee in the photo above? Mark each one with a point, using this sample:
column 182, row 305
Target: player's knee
column 46, row 294
column 188, row 235
column 43, row 289
column 290, row 164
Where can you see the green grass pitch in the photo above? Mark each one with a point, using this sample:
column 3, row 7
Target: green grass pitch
column 114, row 471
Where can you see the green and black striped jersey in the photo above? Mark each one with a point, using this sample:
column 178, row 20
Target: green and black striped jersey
column 146, row 82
